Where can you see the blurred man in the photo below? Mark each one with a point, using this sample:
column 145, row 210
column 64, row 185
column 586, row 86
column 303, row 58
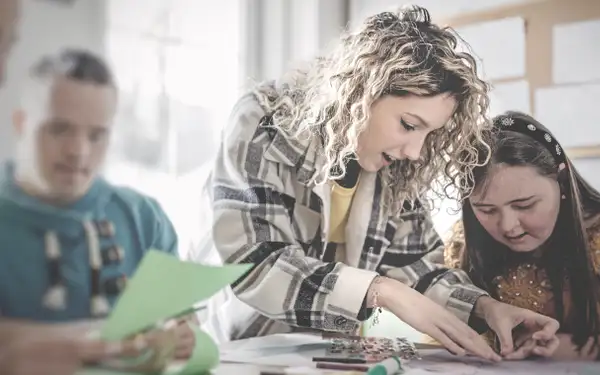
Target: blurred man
column 69, row 238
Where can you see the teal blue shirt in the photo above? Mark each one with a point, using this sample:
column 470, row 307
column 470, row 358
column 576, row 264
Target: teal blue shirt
column 139, row 222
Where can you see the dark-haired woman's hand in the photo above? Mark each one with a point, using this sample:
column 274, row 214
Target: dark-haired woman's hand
column 526, row 347
column 428, row 317
column 503, row 318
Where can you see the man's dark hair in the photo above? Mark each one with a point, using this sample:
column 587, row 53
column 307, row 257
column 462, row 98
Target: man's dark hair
column 76, row 64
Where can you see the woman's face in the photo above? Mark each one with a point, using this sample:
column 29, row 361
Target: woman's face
column 398, row 126
column 518, row 207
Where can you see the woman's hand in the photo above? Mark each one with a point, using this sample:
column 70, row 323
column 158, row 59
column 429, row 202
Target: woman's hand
column 526, row 346
column 503, row 318
column 560, row 348
column 430, row 318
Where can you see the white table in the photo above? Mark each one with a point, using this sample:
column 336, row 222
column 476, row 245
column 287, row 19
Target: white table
column 272, row 351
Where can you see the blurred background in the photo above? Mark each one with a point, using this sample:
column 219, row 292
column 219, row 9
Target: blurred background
column 181, row 64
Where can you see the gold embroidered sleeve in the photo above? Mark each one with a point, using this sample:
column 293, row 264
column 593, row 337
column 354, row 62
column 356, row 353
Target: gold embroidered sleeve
column 454, row 245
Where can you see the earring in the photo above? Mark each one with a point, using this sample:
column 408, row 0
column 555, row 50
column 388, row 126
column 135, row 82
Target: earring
column 563, row 197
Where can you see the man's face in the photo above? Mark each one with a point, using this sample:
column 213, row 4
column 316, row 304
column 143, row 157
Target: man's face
column 9, row 18
column 72, row 136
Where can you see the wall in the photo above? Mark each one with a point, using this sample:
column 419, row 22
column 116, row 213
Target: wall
column 46, row 27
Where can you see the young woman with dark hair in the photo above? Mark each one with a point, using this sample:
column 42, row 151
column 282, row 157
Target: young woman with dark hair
column 530, row 234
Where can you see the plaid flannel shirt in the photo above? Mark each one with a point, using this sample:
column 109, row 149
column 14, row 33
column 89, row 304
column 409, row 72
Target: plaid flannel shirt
column 268, row 212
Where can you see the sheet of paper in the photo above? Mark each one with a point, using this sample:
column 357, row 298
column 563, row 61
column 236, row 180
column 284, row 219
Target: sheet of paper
column 441, row 362
column 162, row 287
column 576, row 52
column 291, row 349
column 512, row 96
column 571, row 113
column 390, row 325
column 280, row 340
column 269, row 358
column 499, row 45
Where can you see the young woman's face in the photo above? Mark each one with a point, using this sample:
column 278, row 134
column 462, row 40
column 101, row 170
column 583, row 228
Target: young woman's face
column 398, row 126
column 518, row 207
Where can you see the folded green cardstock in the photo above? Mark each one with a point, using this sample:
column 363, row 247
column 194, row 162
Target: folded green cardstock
column 164, row 287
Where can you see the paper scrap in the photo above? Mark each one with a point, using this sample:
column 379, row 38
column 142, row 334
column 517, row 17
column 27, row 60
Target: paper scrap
column 575, row 52
column 391, row 326
column 162, row 287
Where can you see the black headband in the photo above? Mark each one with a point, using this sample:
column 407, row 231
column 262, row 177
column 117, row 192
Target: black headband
column 508, row 123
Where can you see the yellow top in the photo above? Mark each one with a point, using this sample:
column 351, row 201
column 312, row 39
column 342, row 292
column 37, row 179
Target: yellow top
column 341, row 201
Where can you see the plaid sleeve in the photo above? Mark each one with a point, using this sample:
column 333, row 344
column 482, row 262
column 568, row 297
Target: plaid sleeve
column 252, row 223
column 415, row 257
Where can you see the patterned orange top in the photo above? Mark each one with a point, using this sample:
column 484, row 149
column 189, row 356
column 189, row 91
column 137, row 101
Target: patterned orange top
column 526, row 285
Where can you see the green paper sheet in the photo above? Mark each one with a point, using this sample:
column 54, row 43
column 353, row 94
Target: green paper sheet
column 162, row 287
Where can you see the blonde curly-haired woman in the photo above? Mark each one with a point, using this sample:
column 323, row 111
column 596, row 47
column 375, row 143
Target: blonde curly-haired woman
column 319, row 184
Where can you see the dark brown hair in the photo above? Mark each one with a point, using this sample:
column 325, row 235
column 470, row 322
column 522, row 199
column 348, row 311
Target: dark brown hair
column 77, row 64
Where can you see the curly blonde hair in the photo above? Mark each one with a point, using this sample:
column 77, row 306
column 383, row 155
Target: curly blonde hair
column 393, row 53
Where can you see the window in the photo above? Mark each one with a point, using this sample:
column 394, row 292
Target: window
column 177, row 63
